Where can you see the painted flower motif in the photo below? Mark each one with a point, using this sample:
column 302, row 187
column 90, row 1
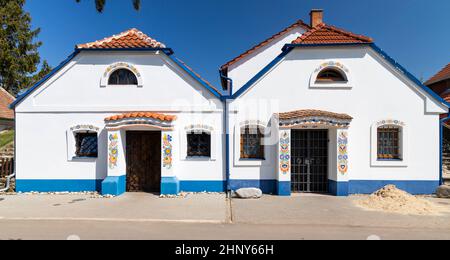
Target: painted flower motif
column 167, row 151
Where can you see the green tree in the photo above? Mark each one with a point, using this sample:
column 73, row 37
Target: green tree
column 100, row 4
column 19, row 56
column 45, row 70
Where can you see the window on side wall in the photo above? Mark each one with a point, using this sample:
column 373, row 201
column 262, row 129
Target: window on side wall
column 86, row 145
column 389, row 143
column 252, row 142
column 198, row 144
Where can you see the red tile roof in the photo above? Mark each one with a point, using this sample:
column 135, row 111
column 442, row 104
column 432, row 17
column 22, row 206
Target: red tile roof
column 440, row 76
column 312, row 113
column 130, row 39
column 5, row 100
column 151, row 115
column 198, row 75
column 299, row 23
column 446, row 96
column 327, row 34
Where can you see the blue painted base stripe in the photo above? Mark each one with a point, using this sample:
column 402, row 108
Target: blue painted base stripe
column 58, row 185
column 201, row 186
column 413, row 187
column 170, row 186
column 267, row 186
column 284, row 188
column 114, row 185
column 338, row 188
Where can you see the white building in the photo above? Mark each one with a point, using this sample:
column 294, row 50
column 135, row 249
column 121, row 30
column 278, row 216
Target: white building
column 116, row 116
column 312, row 109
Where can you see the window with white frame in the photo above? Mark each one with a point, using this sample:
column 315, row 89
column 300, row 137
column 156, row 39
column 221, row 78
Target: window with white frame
column 198, row 144
column 389, row 143
column 122, row 77
column 121, row 74
column 252, row 142
column 86, row 144
column 82, row 142
column 331, row 74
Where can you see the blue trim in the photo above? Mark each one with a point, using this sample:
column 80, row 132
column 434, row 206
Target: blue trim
column 409, row 75
column 227, row 146
column 201, row 186
column 284, row 188
column 39, row 83
column 441, row 148
column 338, row 188
column 261, row 74
column 170, row 186
column 114, row 185
column 413, row 187
column 192, row 74
column 267, row 186
column 58, row 185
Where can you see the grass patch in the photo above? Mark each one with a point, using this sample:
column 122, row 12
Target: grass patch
column 6, row 138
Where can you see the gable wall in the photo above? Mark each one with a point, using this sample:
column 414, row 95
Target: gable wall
column 242, row 71
column 77, row 86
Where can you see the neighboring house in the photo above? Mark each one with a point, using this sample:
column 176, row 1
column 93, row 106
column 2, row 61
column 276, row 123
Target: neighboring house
column 313, row 108
column 6, row 113
column 440, row 83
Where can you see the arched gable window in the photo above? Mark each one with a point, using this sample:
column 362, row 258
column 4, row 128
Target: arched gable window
column 122, row 77
column 252, row 142
column 331, row 76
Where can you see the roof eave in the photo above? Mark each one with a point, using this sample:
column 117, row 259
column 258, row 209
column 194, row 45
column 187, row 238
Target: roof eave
column 168, row 51
column 295, row 45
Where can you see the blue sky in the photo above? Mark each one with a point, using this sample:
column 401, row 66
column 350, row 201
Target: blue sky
column 208, row 33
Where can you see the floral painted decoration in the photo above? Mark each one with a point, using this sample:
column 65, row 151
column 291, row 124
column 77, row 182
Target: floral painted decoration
column 343, row 153
column 285, row 157
column 167, row 151
column 113, row 149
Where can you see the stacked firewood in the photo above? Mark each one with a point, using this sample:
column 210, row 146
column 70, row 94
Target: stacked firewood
column 133, row 183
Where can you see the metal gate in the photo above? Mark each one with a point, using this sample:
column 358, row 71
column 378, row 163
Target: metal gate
column 309, row 161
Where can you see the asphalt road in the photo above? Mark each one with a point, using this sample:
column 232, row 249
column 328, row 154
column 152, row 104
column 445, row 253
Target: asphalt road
column 115, row 230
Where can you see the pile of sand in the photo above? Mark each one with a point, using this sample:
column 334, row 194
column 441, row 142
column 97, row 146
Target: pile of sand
column 393, row 200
